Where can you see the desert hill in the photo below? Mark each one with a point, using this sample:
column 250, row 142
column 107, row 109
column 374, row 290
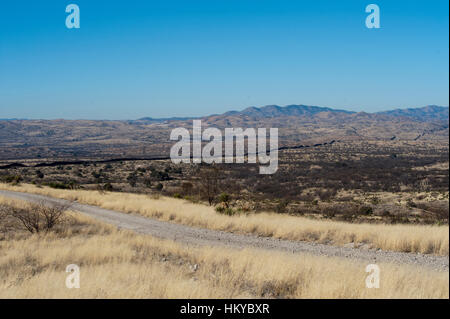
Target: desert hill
column 147, row 137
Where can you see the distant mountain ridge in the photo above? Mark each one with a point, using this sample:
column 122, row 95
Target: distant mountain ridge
column 427, row 113
column 289, row 110
column 163, row 119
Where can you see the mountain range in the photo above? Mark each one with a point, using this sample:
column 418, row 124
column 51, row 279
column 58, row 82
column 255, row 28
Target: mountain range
column 149, row 137
column 426, row 114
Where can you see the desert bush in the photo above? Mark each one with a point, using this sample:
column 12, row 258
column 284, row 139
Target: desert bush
column 160, row 176
column 12, row 179
column 132, row 179
column 223, row 209
column 281, row 207
column 244, row 206
column 365, row 210
column 63, row 185
column 410, row 203
column 108, row 187
column 39, row 174
column 36, row 218
column 148, row 183
column 57, row 185
column 225, row 199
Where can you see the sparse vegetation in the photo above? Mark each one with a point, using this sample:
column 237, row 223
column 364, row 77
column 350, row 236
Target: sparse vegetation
column 352, row 182
column 120, row 264
column 406, row 238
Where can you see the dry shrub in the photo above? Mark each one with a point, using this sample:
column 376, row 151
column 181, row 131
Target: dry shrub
column 34, row 217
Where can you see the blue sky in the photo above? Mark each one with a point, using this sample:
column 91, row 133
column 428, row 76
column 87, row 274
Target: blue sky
column 132, row 59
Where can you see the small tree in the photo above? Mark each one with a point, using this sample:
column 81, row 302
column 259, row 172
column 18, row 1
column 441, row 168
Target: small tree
column 209, row 183
column 39, row 217
column 39, row 174
column 132, row 179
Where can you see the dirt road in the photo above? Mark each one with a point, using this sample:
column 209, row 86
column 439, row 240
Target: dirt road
column 200, row 236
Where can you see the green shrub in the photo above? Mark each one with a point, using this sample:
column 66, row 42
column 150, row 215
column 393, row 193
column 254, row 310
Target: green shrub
column 13, row 179
column 57, row 185
column 224, row 198
column 225, row 210
column 222, row 208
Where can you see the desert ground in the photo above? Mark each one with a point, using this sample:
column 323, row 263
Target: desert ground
column 119, row 263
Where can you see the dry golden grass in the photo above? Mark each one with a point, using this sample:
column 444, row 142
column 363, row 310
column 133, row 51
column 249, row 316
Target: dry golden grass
column 404, row 238
column 121, row 264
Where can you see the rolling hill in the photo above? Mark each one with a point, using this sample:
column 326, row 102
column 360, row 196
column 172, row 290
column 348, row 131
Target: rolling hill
column 80, row 139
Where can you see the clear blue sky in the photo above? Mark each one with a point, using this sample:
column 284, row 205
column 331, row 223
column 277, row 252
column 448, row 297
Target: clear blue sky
column 132, row 59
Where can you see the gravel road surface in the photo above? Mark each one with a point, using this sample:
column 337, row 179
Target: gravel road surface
column 200, row 236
